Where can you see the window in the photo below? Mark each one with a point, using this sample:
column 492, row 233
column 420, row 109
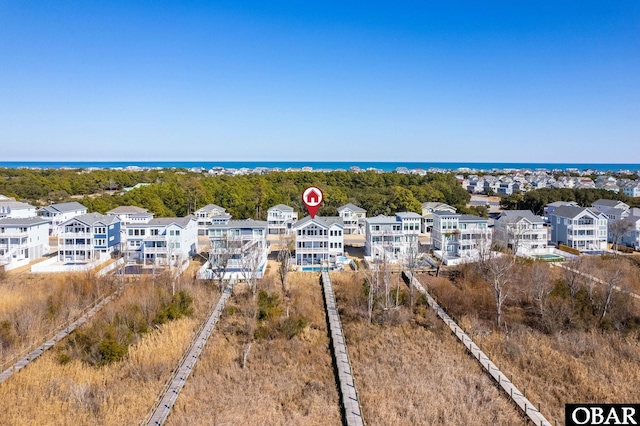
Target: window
column 130, row 232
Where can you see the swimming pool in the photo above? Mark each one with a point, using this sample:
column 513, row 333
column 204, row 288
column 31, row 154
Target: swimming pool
column 549, row 257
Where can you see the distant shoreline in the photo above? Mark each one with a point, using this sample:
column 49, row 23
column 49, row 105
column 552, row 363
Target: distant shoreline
column 323, row 165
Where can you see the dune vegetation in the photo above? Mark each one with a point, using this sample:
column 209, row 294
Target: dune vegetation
column 111, row 370
column 268, row 362
column 558, row 345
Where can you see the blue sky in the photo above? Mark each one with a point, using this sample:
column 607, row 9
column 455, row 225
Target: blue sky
column 543, row 81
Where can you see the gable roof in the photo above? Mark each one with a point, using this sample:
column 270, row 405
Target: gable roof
column 352, row 207
column 382, row 220
column 408, row 215
column 65, row 207
column 127, row 210
column 323, row 221
column 517, row 215
column 15, row 205
column 436, row 205
column 562, row 203
column 25, row 221
column 471, row 218
column 571, row 212
column 182, row 222
column 608, row 203
column 211, row 207
column 91, row 219
column 281, row 207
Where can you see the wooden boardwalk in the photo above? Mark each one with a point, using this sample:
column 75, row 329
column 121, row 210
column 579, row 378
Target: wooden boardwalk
column 35, row 354
column 175, row 384
column 596, row 279
column 351, row 410
column 518, row 397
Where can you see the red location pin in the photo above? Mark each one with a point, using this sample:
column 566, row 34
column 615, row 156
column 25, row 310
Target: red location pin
column 312, row 197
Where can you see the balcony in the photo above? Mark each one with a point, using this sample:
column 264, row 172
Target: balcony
column 13, row 233
column 155, row 238
column 155, row 250
column 64, row 234
column 583, row 227
column 313, row 237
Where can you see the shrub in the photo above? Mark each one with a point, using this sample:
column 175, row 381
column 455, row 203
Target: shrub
column 292, row 326
column 268, row 306
column 179, row 306
column 111, row 351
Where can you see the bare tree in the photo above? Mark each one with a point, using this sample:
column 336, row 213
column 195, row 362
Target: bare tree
column 540, row 285
column 617, row 229
column 496, row 270
column 611, row 277
column 284, row 256
column 251, row 257
column 386, row 273
column 371, row 276
column 572, row 273
column 517, row 234
column 219, row 257
column 412, row 261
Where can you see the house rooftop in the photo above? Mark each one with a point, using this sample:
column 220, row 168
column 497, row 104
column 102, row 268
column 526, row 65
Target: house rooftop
column 562, row 203
column 282, row 207
column 65, row 207
column 516, row 215
column 211, row 207
column 436, row 205
column 445, row 213
column 572, row 211
column 93, row 218
column 602, row 202
column 127, row 210
column 352, row 207
column 26, row 221
column 15, row 205
column 382, row 220
column 167, row 221
column 325, row 221
column 408, row 215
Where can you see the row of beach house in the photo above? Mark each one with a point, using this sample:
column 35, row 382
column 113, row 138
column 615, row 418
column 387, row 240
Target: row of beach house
column 238, row 245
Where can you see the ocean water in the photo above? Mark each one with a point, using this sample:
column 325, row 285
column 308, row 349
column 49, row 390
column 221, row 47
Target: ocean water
column 386, row 166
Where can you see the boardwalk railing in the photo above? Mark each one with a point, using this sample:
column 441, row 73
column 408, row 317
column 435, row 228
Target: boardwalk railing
column 59, row 334
column 169, row 394
column 351, row 410
column 596, row 279
column 518, row 397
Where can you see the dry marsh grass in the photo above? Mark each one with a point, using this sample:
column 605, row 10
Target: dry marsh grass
column 284, row 381
column 33, row 305
column 412, row 371
column 579, row 359
column 48, row 392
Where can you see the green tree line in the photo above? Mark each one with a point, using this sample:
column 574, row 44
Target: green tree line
column 178, row 192
column 536, row 200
